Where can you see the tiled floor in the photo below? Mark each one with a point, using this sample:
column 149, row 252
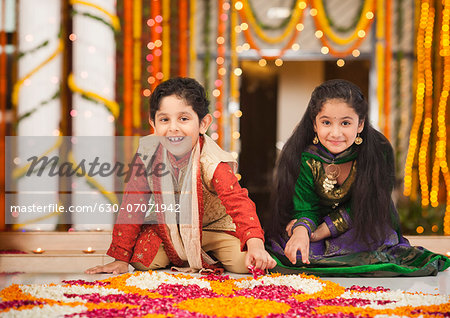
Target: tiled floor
column 430, row 285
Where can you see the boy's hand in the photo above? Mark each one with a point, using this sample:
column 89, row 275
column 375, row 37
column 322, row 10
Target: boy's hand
column 299, row 241
column 257, row 256
column 116, row 267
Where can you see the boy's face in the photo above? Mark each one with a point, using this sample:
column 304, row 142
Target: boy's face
column 179, row 124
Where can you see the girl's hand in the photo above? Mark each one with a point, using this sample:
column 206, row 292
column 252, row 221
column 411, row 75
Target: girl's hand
column 299, row 241
column 257, row 256
column 116, row 267
column 289, row 227
column 322, row 232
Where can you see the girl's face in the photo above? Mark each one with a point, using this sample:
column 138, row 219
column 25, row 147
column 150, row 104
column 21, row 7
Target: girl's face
column 179, row 124
column 337, row 125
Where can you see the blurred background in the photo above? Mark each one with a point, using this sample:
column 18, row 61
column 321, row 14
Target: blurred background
column 87, row 68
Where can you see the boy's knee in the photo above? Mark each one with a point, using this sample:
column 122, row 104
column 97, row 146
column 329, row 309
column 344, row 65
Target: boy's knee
column 236, row 264
column 161, row 260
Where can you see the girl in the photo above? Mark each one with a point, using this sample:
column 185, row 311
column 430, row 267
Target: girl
column 211, row 222
column 332, row 208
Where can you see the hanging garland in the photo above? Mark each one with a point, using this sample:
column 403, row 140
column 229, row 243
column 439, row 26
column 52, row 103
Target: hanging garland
column 234, row 86
column 206, row 43
column 399, row 102
column 114, row 28
column 34, row 109
column 247, row 16
column 422, row 98
column 155, row 31
column 428, row 108
column 387, row 70
column 166, row 39
column 351, row 26
column 16, row 88
column 440, row 158
column 128, row 68
column 365, row 20
column 249, row 39
column 192, row 38
column 380, row 60
column 114, row 18
column 40, row 46
column 137, row 34
column 111, row 105
column 183, row 37
column 3, row 102
column 280, row 25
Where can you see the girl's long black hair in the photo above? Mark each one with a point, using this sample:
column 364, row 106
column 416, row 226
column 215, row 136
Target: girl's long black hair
column 371, row 192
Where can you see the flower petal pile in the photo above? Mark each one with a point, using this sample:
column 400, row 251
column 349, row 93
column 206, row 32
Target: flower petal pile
column 160, row 294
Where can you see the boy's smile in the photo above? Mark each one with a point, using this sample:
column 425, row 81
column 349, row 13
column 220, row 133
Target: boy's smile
column 179, row 123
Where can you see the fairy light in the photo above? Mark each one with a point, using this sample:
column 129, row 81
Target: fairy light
column 318, row 34
column 356, row 53
column 238, row 71
column 300, row 27
column 340, row 62
column 313, row 12
column 262, row 62
column 278, row 62
column 302, row 5
column 216, row 92
column 419, row 101
column 325, row 50
column 244, row 26
column 419, row 229
column 440, row 159
column 428, row 104
column 238, row 113
column 295, row 46
column 238, row 5
column 361, row 33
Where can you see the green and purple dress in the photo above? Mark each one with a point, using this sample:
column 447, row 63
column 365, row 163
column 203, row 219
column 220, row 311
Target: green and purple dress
column 340, row 254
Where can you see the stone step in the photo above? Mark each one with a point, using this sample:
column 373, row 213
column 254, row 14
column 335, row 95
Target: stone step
column 29, row 241
column 62, row 251
column 52, row 261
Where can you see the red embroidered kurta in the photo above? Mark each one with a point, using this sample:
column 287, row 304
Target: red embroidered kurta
column 133, row 241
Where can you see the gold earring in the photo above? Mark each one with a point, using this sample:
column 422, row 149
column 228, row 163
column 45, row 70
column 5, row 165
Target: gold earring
column 315, row 140
column 358, row 140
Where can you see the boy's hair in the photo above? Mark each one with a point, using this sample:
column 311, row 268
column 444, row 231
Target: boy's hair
column 185, row 88
column 371, row 191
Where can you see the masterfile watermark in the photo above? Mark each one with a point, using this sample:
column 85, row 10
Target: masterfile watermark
column 97, row 180
column 53, row 166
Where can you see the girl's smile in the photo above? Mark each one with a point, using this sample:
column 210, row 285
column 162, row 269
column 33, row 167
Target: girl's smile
column 337, row 125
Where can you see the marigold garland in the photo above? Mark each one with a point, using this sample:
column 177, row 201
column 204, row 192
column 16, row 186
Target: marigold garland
column 248, row 17
column 160, row 294
column 287, row 46
column 111, row 105
column 323, row 24
column 192, row 38
column 16, row 88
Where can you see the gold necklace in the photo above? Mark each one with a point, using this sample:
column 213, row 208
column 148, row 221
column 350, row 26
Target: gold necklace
column 332, row 172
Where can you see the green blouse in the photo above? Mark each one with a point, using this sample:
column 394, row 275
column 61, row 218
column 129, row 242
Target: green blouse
column 312, row 203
